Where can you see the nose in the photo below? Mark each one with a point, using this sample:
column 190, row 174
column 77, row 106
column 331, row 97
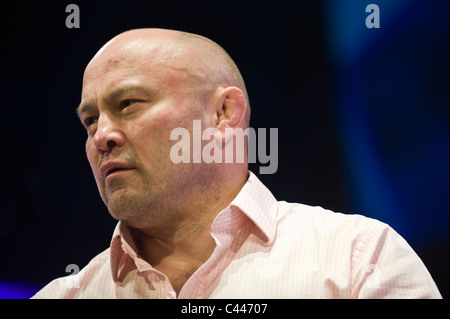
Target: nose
column 108, row 134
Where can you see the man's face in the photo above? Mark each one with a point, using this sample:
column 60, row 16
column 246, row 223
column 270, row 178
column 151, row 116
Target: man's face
column 131, row 101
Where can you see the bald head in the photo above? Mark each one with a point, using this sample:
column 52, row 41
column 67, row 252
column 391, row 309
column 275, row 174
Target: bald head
column 202, row 62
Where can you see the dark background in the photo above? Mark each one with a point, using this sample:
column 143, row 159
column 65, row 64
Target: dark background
column 362, row 116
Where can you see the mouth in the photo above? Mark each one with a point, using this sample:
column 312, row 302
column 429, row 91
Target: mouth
column 110, row 168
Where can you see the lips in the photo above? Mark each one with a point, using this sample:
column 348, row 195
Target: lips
column 110, row 167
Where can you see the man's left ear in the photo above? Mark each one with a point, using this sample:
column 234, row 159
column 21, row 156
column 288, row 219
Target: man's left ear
column 231, row 108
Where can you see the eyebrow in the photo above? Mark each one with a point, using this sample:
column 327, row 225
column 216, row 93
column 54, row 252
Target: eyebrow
column 85, row 107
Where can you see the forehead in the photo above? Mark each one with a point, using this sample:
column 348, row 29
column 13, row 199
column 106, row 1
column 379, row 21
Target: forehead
column 132, row 58
column 159, row 65
column 108, row 71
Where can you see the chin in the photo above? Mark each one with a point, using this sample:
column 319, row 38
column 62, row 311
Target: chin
column 124, row 213
column 127, row 207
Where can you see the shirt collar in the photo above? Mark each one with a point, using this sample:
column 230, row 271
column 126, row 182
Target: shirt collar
column 259, row 205
column 122, row 248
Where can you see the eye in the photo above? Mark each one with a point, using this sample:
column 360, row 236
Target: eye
column 126, row 103
column 90, row 120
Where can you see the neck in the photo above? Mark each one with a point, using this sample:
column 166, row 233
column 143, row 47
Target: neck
column 186, row 244
column 190, row 240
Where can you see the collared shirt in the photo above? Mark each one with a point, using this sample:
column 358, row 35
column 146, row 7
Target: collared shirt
column 266, row 249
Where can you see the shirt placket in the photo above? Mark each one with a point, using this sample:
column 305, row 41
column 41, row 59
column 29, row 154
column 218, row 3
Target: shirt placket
column 224, row 235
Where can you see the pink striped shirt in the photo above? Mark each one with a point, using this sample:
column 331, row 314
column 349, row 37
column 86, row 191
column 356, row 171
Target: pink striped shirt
column 266, row 249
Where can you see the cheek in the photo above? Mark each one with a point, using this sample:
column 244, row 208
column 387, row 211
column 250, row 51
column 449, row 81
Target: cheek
column 91, row 155
column 150, row 136
column 156, row 125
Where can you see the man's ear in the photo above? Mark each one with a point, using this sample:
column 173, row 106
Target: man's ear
column 230, row 109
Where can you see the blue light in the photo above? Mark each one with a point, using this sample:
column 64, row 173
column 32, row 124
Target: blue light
column 391, row 106
column 18, row 290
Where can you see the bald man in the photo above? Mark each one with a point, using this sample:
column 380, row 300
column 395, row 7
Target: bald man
column 209, row 229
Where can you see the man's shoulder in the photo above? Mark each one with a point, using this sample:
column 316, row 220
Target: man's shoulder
column 374, row 254
column 325, row 221
column 100, row 259
column 97, row 263
column 318, row 213
column 72, row 286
